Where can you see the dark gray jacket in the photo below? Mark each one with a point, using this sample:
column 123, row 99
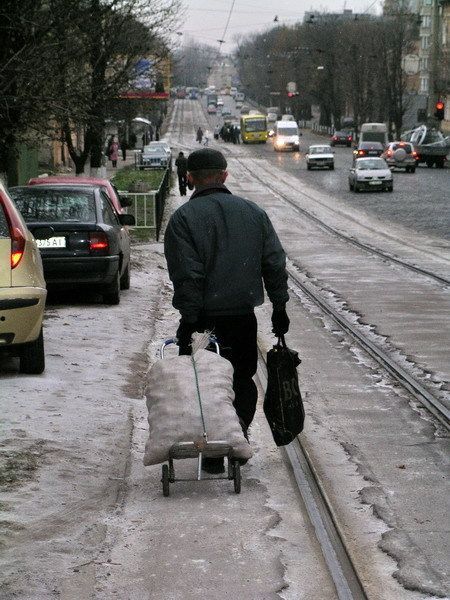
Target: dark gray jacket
column 219, row 250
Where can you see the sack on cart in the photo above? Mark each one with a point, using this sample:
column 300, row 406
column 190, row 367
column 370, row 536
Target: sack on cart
column 174, row 414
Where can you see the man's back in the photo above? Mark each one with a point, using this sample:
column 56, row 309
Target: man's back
column 226, row 245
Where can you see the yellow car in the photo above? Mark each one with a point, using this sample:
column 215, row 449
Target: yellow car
column 22, row 289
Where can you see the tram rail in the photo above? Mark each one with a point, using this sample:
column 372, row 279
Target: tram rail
column 341, row 568
column 414, row 387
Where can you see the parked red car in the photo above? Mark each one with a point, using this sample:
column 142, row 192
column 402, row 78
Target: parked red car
column 118, row 202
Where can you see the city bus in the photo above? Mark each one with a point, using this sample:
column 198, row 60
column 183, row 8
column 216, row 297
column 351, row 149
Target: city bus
column 254, row 129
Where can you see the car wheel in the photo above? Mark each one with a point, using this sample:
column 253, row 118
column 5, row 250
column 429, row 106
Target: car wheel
column 308, row 167
column 355, row 187
column 390, row 189
column 111, row 293
column 350, row 187
column 32, row 356
column 125, row 279
column 412, row 170
column 429, row 163
column 331, row 167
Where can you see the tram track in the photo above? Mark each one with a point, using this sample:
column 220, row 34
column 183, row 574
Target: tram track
column 414, row 387
column 342, row 236
column 320, row 512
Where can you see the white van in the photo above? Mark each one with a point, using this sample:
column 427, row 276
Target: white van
column 286, row 136
column 374, row 132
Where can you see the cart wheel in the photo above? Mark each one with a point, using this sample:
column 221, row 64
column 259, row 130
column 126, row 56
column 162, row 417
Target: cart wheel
column 165, row 480
column 230, row 469
column 171, row 471
column 237, row 477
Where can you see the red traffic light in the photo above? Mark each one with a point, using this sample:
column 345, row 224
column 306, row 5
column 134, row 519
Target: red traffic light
column 439, row 112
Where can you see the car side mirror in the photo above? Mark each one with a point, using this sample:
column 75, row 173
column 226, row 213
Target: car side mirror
column 43, row 233
column 127, row 220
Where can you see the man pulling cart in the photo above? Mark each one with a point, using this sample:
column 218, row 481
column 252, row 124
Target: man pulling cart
column 222, row 251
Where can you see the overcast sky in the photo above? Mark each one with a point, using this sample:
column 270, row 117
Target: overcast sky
column 205, row 20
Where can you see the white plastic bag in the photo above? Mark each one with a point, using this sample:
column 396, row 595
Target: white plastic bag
column 173, row 405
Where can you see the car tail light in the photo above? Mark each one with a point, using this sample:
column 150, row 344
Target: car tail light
column 17, row 233
column 361, row 152
column 389, row 153
column 98, row 243
column 349, row 138
column 17, row 246
column 414, row 153
column 335, row 138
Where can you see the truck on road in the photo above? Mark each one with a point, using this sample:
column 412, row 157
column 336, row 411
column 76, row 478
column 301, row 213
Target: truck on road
column 430, row 145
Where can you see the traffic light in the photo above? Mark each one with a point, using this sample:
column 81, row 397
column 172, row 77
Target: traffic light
column 440, row 110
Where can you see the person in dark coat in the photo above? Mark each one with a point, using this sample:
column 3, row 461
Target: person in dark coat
column 199, row 135
column 221, row 252
column 181, row 165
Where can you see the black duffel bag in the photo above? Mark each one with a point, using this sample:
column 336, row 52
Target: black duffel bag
column 283, row 405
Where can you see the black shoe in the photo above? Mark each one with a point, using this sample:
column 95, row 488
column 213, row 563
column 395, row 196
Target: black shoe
column 214, row 466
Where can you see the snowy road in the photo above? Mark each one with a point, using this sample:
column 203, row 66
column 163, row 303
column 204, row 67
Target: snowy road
column 81, row 517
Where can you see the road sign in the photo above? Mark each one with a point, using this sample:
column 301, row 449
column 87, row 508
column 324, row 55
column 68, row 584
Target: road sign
column 291, row 87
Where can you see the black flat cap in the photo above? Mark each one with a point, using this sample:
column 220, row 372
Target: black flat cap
column 206, row 158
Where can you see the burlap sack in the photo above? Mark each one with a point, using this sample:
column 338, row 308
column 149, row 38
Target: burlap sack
column 173, row 406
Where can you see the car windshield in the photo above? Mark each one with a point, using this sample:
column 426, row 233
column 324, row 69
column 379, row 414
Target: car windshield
column 371, row 146
column 320, row 150
column 287, row 131
column 54, row 205
column 152, row 149
column 255, row 125
column 372, row 164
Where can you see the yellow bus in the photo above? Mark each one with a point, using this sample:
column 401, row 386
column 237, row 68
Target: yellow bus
column 254, row 129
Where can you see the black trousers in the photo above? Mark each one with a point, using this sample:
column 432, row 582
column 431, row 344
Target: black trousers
column 182, row 183
column 237, row 338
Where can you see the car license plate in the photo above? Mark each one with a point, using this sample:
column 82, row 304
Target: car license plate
column 372, row 153
column 375, row 182
column 53, row 242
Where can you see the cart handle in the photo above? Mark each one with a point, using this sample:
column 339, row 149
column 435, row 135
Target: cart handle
column 174, row 340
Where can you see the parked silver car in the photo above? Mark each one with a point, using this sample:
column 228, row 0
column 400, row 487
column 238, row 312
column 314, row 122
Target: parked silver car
column 370, row 174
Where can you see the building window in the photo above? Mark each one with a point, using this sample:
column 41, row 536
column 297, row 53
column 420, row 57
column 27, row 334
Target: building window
column 424, row 64
column 425, row 42
column 424, row 84
column 426, row 21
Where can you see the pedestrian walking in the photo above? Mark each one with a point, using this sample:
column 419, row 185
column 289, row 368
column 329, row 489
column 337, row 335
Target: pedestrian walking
column 199, row 135
column 217, row 130
column 206, row 138
column 221, row 252
column 114, row 152
column 181, row 165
